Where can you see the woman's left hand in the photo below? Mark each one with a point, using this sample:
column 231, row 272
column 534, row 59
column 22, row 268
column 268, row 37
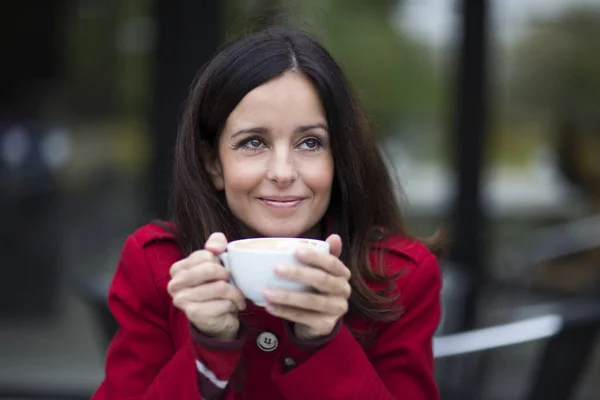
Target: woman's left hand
column 315, row 314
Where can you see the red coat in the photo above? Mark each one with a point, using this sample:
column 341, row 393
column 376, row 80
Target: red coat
column 155, row 354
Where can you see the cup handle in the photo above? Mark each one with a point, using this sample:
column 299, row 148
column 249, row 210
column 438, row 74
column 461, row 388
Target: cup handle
column 225, row 260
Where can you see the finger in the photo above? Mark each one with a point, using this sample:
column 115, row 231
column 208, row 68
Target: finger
column 201, row 256
column 216, row 243
column 212, row 291
column 324, row 261
column 330, row 305
column 197, row 275
column 317, row 322
column 335, row 245
column 210, row 309
column 197, row 257
column 318, row 279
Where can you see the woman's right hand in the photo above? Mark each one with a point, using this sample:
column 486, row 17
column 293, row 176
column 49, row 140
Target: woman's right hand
column 200, row 288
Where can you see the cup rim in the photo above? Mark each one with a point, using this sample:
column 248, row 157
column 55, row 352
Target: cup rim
column 322, row 244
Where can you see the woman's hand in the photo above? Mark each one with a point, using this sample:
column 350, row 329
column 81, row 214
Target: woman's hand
column 200, row 288
column 315, row 314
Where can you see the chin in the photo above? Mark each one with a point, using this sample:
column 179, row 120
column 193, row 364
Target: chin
column 281, row 230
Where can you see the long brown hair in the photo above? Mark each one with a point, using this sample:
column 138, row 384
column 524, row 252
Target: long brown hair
column 363, row 194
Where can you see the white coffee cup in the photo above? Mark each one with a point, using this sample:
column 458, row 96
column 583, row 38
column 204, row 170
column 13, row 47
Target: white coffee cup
column 252, row 262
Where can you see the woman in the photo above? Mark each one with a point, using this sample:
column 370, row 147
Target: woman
column 274, row 143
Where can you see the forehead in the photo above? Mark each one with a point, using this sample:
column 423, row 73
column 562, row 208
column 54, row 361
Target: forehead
column 291, row 97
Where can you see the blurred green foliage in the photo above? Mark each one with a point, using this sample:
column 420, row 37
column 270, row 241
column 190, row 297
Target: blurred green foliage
column 557, row 67
column 558, row 79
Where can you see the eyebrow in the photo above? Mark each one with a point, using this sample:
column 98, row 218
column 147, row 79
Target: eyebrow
column 263, row 131
column 304, row 128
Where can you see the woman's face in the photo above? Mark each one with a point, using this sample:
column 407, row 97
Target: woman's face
column 275, row 162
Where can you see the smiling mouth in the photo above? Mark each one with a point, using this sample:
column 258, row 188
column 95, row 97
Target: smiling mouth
column 281, row 203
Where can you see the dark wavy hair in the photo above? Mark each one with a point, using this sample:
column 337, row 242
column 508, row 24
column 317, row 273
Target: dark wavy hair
column 363, row 195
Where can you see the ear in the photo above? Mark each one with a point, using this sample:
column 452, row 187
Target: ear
column 213, row 166
column 216, row 173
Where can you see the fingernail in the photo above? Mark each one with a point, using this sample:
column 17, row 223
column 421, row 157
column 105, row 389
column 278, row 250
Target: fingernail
column 269, row 294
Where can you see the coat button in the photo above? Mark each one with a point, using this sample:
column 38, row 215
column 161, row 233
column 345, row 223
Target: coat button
column 267, row 341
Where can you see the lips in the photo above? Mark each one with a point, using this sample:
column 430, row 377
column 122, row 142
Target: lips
column 287, row 202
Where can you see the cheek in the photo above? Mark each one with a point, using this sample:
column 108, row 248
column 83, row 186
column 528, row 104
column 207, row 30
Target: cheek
column 240, row 174
column 239, row 181
column 318, row 175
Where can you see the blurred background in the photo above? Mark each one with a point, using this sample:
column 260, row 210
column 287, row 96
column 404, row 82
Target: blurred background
column 489, row 112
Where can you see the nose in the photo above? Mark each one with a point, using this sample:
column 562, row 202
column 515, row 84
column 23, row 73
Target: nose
column 282, row 169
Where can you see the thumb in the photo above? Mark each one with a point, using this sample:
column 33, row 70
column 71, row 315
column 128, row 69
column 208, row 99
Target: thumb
column 335, row 245
column 216, row 243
